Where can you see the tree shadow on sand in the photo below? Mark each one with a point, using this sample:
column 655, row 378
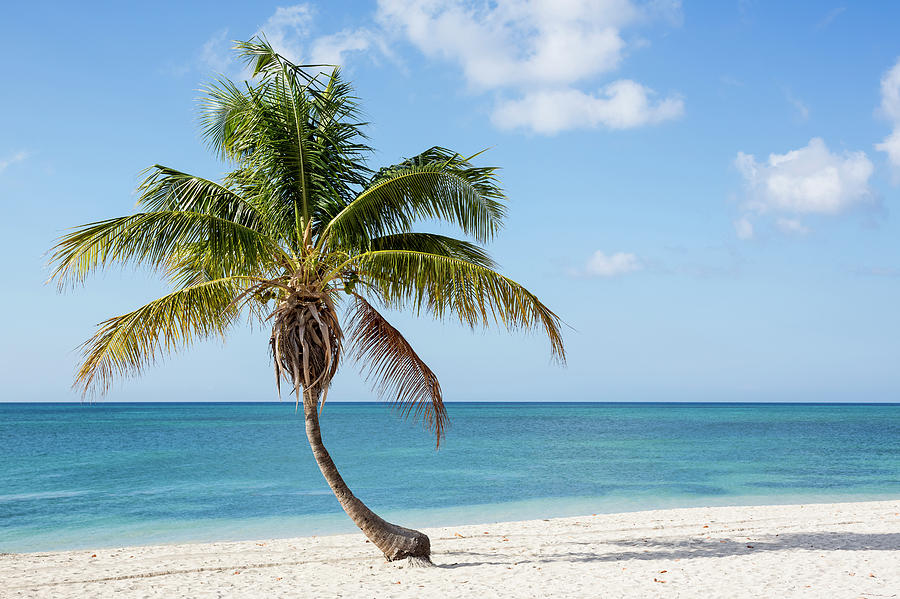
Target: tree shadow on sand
column 683, row 548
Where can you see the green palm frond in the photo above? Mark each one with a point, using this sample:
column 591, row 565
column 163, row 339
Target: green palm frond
column 431, row 243
column 445, row 285
column 228, row 117
column 297, row 135
column 483, row 179
column 397, row 371
column 414, row 193
column 125, row 345
column 150, row 238
column 267, row 64
column 165, row 189
column 197, row 263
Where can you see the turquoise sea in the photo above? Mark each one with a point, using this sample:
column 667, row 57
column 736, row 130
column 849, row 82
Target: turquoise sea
column 107, row 474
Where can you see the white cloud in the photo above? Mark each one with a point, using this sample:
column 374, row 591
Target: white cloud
column 743, row 228
column 811, row 180
column 289, row 31
column 539, row 50
column 216, row 54
column 890, row 93
column 601, row 265
column 620, row 105
column 13, row 159
column 334, row 48
column 890, row 106
column 287, row 28
column 891, row 145
column 516, row 42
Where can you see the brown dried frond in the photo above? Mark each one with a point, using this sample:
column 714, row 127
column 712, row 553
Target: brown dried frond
column 306, row 341
column 397, row 372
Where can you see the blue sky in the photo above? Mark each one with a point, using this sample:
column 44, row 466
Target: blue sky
column 707, row 192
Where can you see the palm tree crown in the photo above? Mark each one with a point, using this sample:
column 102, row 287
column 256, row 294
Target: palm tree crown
column 298, row 227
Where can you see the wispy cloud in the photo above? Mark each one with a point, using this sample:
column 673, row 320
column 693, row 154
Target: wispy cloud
column 791, row 226
column 13, row 158
column 539, row 55
column 336, row 48
column 216, row 53
column 743, row 228
column 799, row 105
column 890, row 108
column 290, row 31
column 831, row 16
column 601, row 264
column 287, row 28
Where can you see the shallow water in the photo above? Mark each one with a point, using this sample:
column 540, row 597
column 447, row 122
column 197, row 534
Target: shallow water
column 122, row 474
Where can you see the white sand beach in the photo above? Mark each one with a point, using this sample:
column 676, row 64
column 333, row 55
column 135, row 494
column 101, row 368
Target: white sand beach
column 819, row 550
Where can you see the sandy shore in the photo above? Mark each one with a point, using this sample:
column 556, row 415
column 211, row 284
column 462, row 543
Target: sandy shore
column 819, row 550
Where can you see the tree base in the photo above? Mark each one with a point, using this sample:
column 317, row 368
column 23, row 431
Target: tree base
column 422, row 561
column 400, row 543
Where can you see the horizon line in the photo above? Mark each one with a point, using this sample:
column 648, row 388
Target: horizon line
column 495, row 402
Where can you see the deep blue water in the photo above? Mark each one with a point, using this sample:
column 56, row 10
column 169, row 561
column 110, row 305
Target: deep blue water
column 110, row 474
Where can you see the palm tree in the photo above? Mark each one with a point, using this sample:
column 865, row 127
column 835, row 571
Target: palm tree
column 299, row 227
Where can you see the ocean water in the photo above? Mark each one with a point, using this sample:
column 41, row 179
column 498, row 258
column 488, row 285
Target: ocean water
column 106, row 475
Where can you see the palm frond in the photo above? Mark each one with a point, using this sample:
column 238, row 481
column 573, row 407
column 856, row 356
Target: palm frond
column 151, row 238
column 482, row 178
column 431, row 243
column 126, row 344
column 197, row 263
column 295, row 132
column 398, row 373
column 445, row 285
column 228, row 118
column 165, row 189
column 413, row 194
column 259, row 54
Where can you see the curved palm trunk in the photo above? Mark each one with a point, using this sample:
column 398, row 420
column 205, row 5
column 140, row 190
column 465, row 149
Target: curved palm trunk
column 394, row 541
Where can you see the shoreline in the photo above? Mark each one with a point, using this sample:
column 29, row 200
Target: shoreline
column 159, row 533
column 337, row 523
column 834, row 549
